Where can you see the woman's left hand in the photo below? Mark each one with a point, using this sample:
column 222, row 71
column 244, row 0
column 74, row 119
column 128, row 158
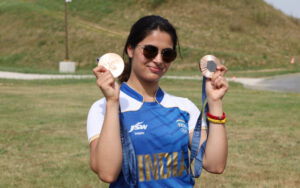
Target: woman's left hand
column 217, row 86
column 215, row 155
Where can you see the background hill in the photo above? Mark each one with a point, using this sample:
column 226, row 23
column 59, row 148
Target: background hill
column 246, row 34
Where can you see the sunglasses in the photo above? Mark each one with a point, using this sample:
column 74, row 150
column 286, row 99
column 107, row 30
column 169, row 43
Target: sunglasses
column 150, row 52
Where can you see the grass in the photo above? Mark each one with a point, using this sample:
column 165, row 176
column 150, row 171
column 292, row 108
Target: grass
column 247, row 35
column 43, row 139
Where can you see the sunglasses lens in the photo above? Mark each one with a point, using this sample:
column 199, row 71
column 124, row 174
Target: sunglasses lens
column 150, row 51
column 168, row 54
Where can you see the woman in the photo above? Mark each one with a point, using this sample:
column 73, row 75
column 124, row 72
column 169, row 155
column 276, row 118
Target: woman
column 160, row 125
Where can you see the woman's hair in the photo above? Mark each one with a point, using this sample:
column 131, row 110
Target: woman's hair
column 140, row 30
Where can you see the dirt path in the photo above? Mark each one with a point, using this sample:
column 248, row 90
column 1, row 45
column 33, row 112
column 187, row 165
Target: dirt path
column 283, row 83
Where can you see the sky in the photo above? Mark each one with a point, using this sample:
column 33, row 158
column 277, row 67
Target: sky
column 289, row 7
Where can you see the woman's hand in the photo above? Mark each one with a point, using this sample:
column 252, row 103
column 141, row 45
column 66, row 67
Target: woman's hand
column 106, row 82
column 216, row 87
column 106, row 151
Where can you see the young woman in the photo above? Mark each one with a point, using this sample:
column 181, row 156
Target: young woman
column 159, row 125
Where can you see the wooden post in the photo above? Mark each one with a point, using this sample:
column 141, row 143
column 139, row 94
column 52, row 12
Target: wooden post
column 66, row 32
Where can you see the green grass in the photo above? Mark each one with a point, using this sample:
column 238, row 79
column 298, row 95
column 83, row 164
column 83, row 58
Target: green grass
column 43, row 139
column 247, row 35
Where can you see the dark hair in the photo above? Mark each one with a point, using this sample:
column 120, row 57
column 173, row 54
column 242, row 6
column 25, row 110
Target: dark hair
column 140, row 30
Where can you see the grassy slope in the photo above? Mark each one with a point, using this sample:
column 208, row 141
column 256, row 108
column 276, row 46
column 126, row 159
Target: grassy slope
column 245, row 34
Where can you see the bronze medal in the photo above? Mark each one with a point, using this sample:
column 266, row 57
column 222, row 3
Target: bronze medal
column 208, row 65
column 113, row 62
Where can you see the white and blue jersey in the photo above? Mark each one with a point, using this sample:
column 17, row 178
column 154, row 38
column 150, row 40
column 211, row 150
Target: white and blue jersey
column 159, row 132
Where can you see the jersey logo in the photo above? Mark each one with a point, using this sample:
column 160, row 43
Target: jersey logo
column 139, row 128
column 160, row 166
column 181, row 124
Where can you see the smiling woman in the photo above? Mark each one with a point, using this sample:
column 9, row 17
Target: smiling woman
column 149, row 72
column 140, row 135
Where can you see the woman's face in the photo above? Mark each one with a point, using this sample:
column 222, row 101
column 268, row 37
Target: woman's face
column 150, row 70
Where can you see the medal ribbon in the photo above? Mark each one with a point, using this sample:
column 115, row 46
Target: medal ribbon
column 195, row 154
column 129, row 164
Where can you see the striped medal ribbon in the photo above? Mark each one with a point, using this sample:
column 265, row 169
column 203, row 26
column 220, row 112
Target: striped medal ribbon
column 195, row 154
column 129, row 163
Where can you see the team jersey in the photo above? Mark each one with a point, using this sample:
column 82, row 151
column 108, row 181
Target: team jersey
column 159, row 132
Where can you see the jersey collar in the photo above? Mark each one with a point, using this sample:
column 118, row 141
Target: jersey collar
column 134, row 94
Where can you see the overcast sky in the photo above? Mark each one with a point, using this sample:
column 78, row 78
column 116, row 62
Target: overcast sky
column 289, row 7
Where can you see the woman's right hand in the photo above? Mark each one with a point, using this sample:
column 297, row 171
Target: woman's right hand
column 106, row 151
column 106, row 82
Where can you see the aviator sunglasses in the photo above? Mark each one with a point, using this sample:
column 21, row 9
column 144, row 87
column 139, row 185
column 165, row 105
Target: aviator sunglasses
column 150, row 52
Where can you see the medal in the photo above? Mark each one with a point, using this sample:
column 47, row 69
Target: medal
column 208, row 65
column 112, row 62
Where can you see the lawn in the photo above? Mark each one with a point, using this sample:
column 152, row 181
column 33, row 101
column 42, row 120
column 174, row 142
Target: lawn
column 43, row 139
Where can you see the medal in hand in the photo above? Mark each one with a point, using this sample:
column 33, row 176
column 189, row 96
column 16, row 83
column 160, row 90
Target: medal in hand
column 208, row 65
column 113, row 62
